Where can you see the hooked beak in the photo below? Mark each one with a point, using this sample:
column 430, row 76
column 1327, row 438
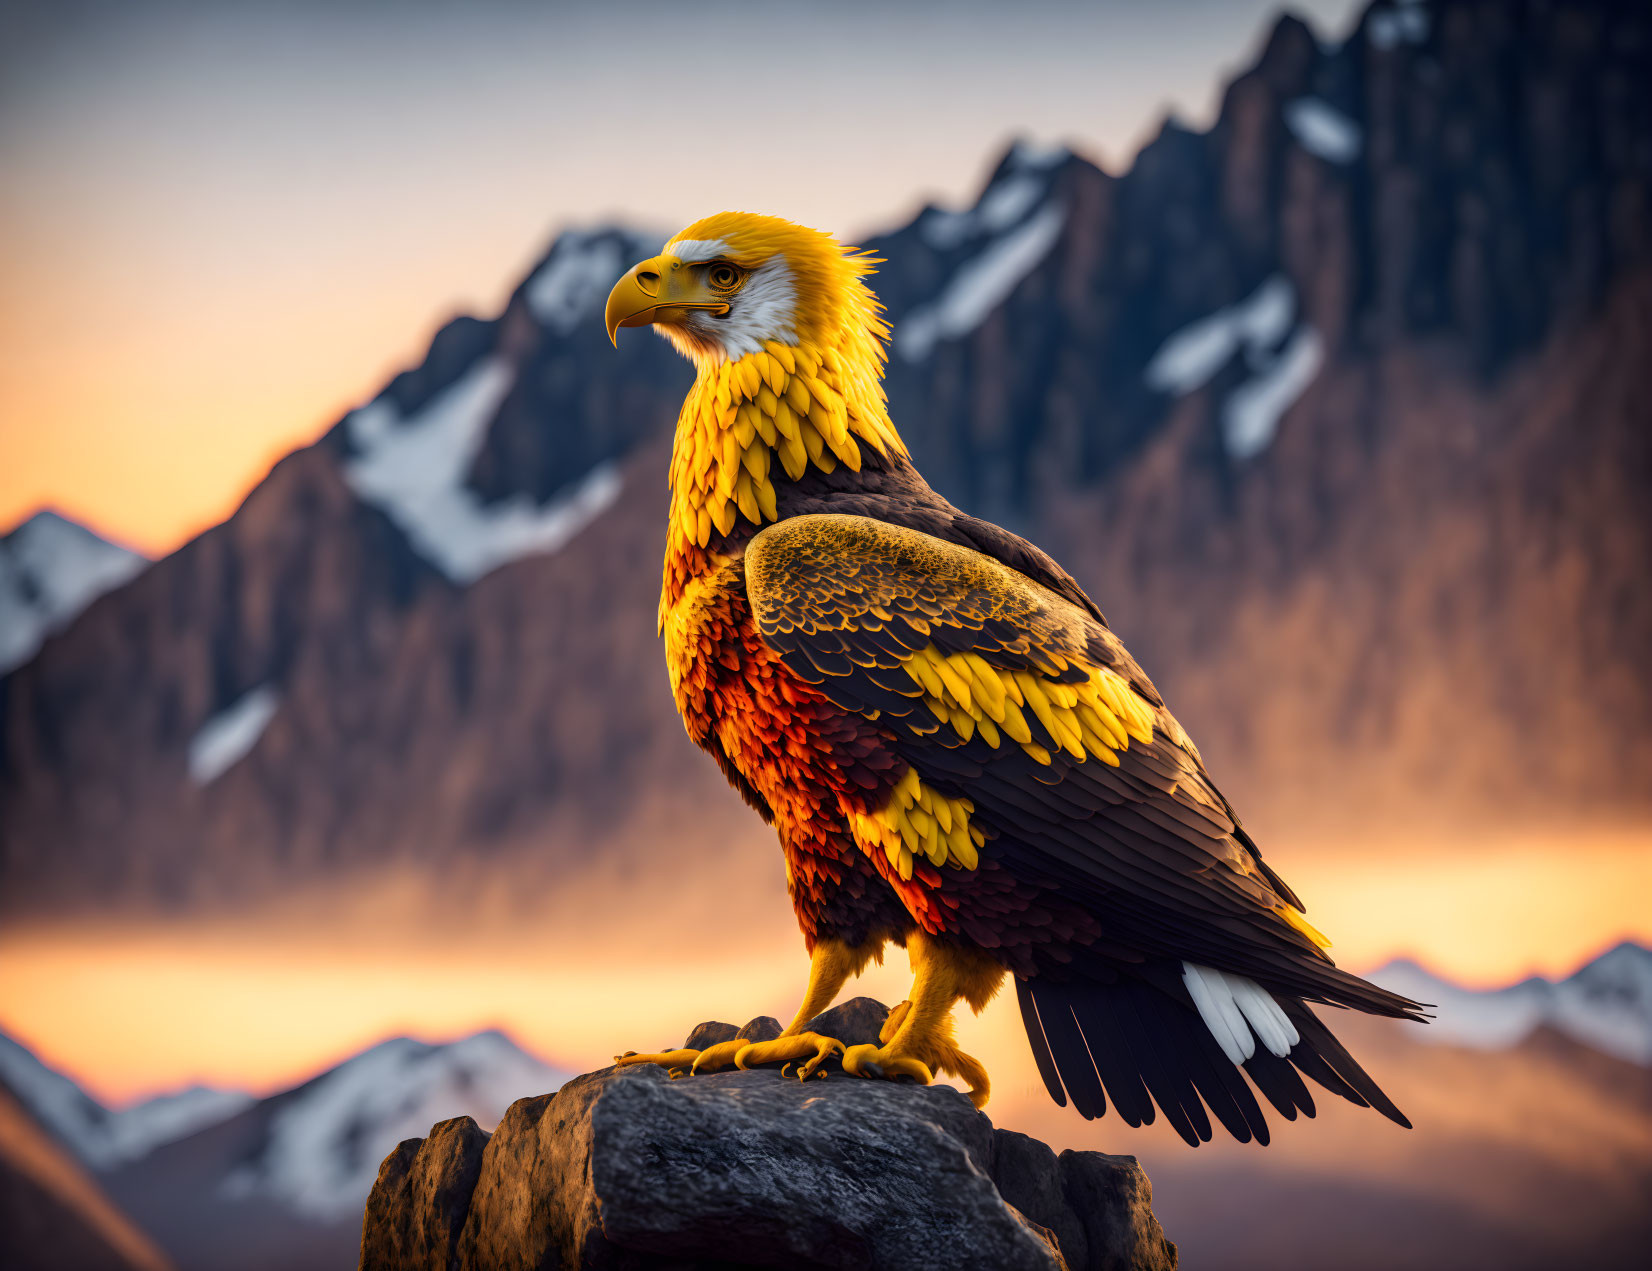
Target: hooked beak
column 658, row 290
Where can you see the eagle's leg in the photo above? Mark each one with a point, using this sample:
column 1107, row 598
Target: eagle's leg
column 830, row 967
column 917, row 1039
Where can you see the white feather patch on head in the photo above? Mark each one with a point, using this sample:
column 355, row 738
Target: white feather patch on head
column 764, row 309
column 1238, row 1012
column 696, row 251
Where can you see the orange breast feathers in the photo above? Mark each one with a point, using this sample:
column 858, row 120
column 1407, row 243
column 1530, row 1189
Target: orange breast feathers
column 805, row 755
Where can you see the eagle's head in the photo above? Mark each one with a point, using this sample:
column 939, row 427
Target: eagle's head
column 729, row 284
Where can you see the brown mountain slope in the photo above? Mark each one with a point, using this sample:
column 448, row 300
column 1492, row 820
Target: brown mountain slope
column 53, row 1217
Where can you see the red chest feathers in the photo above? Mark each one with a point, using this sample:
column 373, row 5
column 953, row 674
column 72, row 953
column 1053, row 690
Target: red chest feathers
column 804, row 755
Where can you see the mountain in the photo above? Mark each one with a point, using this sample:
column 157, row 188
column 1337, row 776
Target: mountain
column 1337, row 408
column 1606, row 1005
column 100, row 1137
column 53, row 1215
column 282, row 1183
column 51, row 568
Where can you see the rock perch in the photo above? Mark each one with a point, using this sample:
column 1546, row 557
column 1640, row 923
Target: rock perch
column 626, row 1168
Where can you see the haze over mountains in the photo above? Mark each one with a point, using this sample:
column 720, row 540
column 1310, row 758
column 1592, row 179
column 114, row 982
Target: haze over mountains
column 1338, row 409
column 279, row 1182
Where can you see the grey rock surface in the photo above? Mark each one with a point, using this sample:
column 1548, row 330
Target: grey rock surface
column 704, row 1036
column 854, row 1023
column 625, row 1168
column 765, row 1028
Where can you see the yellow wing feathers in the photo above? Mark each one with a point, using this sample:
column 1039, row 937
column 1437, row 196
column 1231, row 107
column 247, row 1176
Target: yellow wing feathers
column 1093, row 719
column 919, row 821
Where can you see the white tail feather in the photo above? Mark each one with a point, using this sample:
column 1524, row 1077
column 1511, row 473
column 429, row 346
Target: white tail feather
column 1238, row 1012
column 1219, row 1012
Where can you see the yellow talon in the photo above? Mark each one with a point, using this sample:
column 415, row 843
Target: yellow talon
column 786, row 1050
column 722, row 1055
column 665, row 1059
column 876, row 1061
column 897, row 1016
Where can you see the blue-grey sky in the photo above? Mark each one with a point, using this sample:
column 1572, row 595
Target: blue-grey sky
column 221, row 224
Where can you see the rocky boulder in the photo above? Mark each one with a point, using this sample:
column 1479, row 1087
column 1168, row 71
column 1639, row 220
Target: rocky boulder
column 626, row 1168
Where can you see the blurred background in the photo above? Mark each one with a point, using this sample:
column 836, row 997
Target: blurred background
column 341, row 789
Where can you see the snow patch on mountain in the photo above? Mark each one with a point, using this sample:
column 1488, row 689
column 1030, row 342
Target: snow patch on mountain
column 1252, row 412
column 326, row 1139
column 1021, row 182
column 104, row 1137
column 1190, row 358
column 414, row 469
column 136, row 1131
column 1607, row 1004
column 1003, row 204
column 225, row 739
column 980, row 285
column 51, row 568
column 1254, row 327
column 575, row 278
column 1323, row 130
column 1405, row 23
column 1037, row 156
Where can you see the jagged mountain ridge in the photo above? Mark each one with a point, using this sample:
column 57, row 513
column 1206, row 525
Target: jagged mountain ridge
column 104, row 1138
column 51, row 568
column 1606, row 1004
column 219, row 1177
column 1298, row 398
column 281, row 1184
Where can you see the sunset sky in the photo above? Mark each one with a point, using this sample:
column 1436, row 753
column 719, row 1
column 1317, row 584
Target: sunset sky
column 222, row 225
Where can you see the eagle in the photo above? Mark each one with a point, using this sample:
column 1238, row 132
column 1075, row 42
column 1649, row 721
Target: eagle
column 958, row 754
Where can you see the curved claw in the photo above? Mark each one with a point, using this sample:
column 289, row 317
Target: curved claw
column 876, row 1061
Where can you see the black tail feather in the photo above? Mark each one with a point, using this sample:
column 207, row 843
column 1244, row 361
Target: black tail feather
column 1040, row 1046
column 1163, row 1067
column 1143, row 1043
column 1317, row 1037
column 1110, row 1050
column 1071, row 1056
column 1280, row 1083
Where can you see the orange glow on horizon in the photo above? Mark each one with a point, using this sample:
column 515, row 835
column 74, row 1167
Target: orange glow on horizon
column 264, row 1003
column 152, row 432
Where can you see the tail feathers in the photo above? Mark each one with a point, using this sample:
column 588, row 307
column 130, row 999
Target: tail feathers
column 1146, row 1047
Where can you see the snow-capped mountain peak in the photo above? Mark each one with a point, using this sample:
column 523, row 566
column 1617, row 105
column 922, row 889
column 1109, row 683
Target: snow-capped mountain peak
column 1001, row 239
column 105, row 1137
column 412, row 453
column 1605, row 1004
column 50, row 569
column 325, row 1139
column 570, row 284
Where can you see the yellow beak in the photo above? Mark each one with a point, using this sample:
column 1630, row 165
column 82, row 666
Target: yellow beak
column 658, row 290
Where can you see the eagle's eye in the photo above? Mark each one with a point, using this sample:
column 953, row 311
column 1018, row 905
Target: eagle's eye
column 723, row 276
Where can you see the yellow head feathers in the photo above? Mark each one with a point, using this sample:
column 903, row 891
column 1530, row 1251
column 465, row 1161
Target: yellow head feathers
column 829, row 292
column 731, row 283
column 788, row 340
